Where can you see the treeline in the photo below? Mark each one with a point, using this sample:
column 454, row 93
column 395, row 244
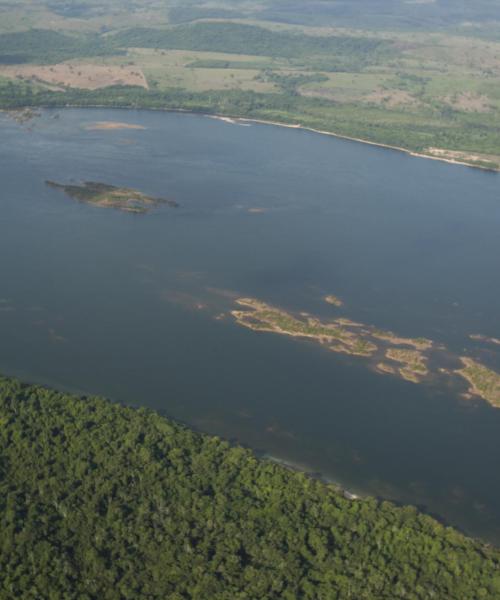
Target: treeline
column 238, row 38
column 384, row 14
column 216, row 63
column 100, row 501
column 290, row 84
column 46, row 46
column 411, row 130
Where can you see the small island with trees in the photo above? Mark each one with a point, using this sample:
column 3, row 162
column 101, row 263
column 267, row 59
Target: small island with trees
column 110, row 196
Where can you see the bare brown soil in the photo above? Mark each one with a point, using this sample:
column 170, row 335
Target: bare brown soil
column 390, row 98
column 77, row 75
column 456, row 156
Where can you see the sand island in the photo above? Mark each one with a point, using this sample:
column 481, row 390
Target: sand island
column 110, row 196
column 112, row 126
column 333, row 300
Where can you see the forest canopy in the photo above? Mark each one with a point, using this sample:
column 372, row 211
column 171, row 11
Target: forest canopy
column 98, row 500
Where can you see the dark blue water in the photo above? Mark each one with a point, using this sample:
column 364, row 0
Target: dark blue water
column 123, row 305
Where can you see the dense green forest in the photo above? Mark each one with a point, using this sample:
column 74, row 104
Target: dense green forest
column 238, row 38
column 46, row 46
column 410, row 15
column 102, row 501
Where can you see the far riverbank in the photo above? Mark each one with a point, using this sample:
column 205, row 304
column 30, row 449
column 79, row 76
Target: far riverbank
column 454, row 157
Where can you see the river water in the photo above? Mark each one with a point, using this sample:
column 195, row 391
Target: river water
column 135, row 307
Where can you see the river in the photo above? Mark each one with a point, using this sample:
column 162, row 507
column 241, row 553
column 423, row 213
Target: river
column 136, row 307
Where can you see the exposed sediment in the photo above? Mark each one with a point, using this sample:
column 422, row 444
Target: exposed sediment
column 414, row 363
column 334, row 300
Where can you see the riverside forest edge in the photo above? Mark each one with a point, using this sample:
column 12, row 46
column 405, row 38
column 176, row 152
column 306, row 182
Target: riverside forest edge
column 425, row 94
column 250, row 107
column 116, row 502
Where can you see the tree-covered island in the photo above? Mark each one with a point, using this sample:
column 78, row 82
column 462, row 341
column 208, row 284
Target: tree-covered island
column 110, row 196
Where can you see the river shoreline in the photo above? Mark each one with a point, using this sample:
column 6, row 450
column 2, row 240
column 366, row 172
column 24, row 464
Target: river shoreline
column 248, row 120
column 361, row 141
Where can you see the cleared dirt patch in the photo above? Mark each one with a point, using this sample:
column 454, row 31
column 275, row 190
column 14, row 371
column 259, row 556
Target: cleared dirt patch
column 75, row 75
column 469, row 102
column 391, row 98
column 386, row 98
column 464, row 157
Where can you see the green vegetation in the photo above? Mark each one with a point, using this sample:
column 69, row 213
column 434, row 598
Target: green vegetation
column 217, row 63
column 363, row 347
column 46, row 46
column 364, row 122
column 426, row 90
column 418, row 360
column 99, row 501
column 110, row 196
column 238, row 38
column 476, row 18
column 273, row 319
column 413, row 361
column 484, row 381
column 290, row 84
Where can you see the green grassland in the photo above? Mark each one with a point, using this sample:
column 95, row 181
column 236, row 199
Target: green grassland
column 100, row 501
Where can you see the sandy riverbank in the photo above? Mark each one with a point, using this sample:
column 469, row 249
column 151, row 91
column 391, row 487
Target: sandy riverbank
column 440, row 157
column 440, row 154
column 247, row 121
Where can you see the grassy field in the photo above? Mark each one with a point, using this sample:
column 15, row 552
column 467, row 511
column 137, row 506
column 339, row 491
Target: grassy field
column 431, row 86
column 173, row 68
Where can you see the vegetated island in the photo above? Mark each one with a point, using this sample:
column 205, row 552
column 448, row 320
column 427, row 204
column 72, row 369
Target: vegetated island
column 339, row 335
column 264, row 317
column 413, row 361
column 110, row 196
column 387, row 353
column 484, row 382
column 98, row 500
